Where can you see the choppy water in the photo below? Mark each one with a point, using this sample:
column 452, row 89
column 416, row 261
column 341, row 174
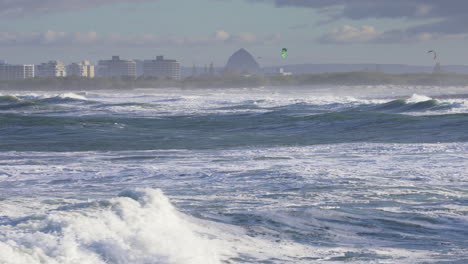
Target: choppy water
column 265, row 175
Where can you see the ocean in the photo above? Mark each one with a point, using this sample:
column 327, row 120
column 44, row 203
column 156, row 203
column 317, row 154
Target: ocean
column 321, row 174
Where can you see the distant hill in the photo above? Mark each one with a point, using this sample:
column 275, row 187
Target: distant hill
column 242, row 61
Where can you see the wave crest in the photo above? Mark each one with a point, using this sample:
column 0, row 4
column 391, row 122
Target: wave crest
column 8, row 99
column 140, row 226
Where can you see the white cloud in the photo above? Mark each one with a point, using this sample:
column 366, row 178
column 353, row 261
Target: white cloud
column 48, row 38
column 86, row 37
column 369, row 34
column 350, row 34
column 222, row 35
column 55, row 38
column 244, row 37
column 247, row 37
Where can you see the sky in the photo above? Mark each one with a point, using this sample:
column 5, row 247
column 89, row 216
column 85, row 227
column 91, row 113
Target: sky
column 203, row 31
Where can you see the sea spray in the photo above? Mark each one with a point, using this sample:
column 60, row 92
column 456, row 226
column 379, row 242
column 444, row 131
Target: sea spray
column 140, row 226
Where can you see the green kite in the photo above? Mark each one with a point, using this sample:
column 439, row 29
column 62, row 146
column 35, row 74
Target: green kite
column 284, row 53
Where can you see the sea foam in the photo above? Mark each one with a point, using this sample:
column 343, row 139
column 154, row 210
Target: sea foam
column 139, row 226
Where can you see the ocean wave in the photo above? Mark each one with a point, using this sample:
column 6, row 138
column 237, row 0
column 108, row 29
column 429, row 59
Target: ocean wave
column 219, row 103
column 19, row 104
column 415, row 104
column 402, row 105
column 127, row 106
column 240, row 107
column 64, row 99
column 417, row 98
column 140, row 226
column 277, row 128
column 359, row 203
column 8, row 99
column 41, row 103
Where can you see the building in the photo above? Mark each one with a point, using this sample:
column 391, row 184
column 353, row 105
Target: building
column 51, row 69
column 16, row 72
column 161, row 68
column 117, row 68
column 211, row 70
column 139, row 67
column 282, row 72
column 84, row 69
column 90, row 73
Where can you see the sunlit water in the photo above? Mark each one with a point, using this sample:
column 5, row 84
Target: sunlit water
column 374, row 174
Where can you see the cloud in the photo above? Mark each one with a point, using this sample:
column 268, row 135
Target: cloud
column 369, row 34
column 86, row 37
column 48, row 38
column 359, row 9
column 444, row 19
column 55, row 39
column 222, row 35
column 350, row 34
column 245, row 37
column 13, row 8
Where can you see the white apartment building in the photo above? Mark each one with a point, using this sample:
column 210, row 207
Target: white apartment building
column 117, row 68
column 84, row 69
column 16, row 72
column 161, row 68
column 51, row 69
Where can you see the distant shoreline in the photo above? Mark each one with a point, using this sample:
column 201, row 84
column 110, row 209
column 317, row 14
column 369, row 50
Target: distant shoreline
column 236, row 81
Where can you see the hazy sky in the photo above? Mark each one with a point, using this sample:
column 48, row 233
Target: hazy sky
column 204, row 31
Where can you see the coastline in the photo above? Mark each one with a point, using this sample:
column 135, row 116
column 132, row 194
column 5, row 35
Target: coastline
column 236, row 81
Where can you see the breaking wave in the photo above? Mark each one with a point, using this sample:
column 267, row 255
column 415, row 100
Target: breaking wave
column 139, row 226
column 416, row 103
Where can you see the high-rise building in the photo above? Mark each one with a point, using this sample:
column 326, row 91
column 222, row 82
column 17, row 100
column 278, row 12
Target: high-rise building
column 161, row 68
column 84, row 69
column 211, row 71
column 139, row 67
column 117, row 68
column 194, row 70
column 89, row 69
column 16, row 72
column 51, row 69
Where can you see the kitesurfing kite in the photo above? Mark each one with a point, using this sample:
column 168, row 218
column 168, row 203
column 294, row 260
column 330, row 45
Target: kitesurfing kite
column 284, row 53
column 435, row 54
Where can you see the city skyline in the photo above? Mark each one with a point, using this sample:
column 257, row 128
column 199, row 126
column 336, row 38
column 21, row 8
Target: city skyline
column 204, row 31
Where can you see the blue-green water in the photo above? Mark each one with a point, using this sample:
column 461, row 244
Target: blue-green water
column 331, row 175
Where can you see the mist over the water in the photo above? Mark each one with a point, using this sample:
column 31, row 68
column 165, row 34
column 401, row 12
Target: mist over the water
column 364, row 174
